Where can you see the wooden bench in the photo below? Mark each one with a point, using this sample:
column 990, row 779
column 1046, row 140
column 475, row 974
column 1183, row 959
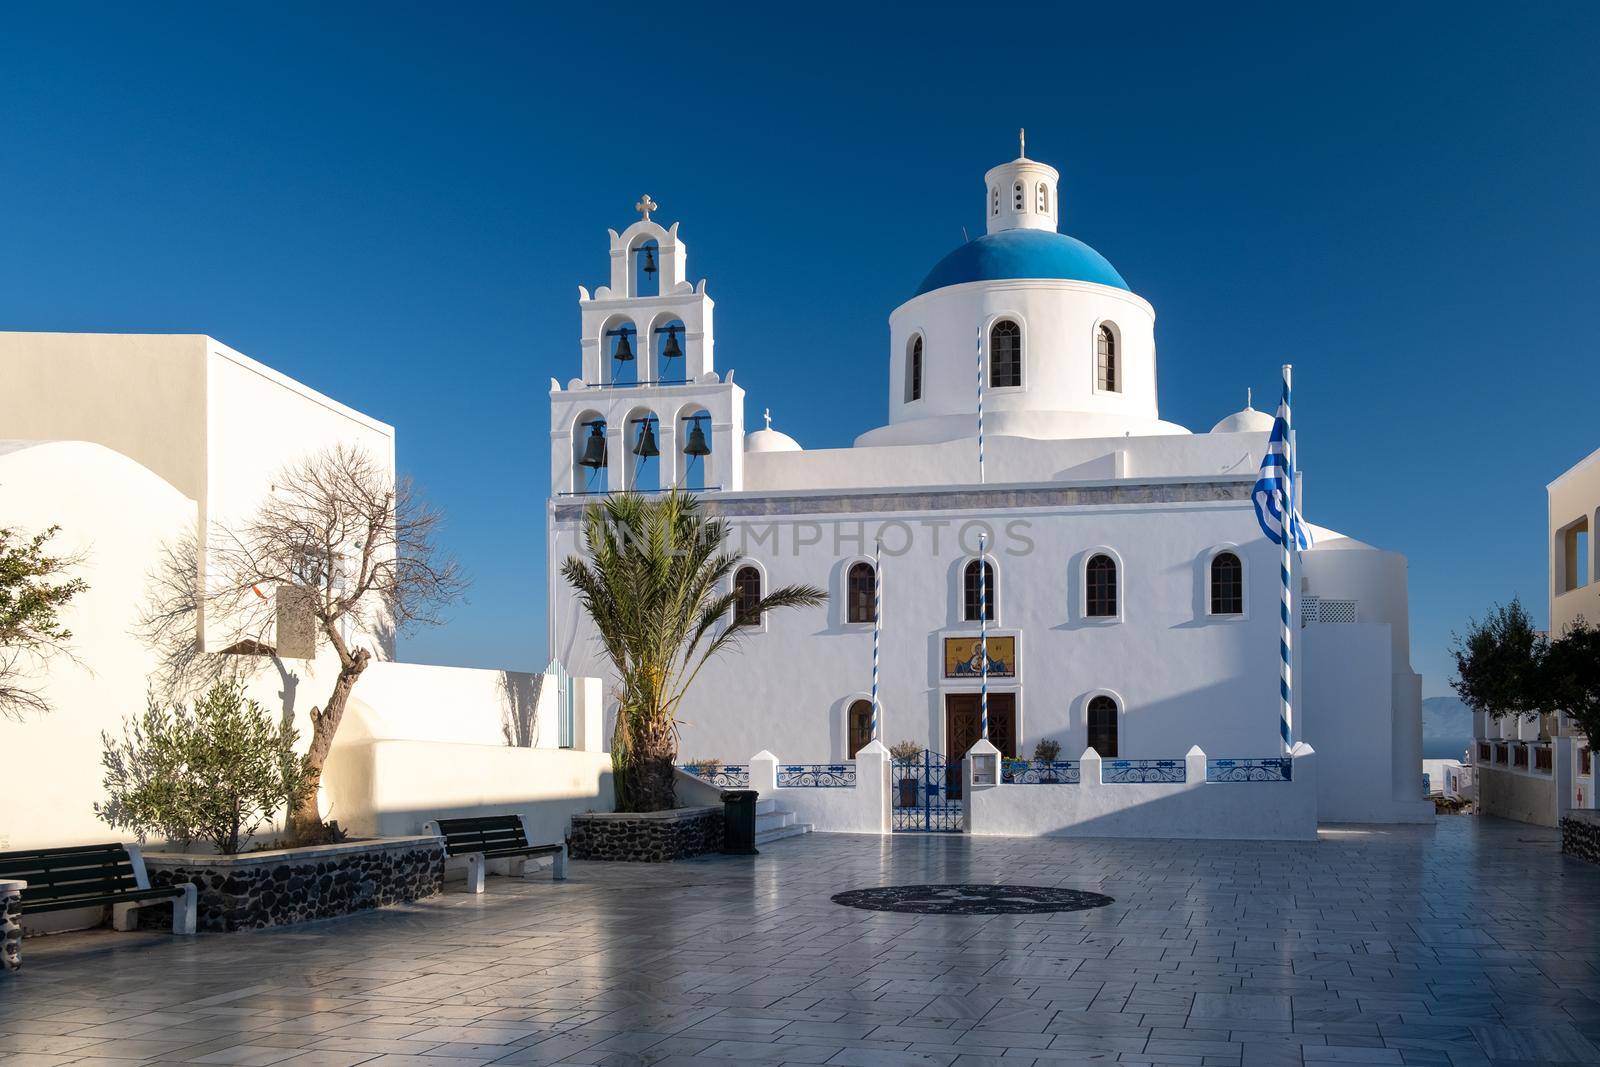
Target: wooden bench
column 87, row 876
column 490, row 837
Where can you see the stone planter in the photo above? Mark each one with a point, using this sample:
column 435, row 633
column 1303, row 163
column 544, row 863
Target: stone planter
column 293, row 885
column 1580, row 834
column 647, row 837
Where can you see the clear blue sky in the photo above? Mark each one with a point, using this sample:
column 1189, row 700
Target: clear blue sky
column 396, row 205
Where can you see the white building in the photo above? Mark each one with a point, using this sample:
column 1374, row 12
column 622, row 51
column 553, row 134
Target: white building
column 135, row 444
column 1134, row 599
column 1537, row 769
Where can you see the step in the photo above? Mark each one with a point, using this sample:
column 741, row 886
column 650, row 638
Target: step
column 773, row 820
column 766, row 807
column 792, row 830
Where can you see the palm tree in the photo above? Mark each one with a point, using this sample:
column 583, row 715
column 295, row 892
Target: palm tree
column 656, row 586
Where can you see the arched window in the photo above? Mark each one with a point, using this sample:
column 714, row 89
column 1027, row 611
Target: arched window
column 978, row 588
column 1019, row 196
column 1105, row 359
column 1100, row 600
column 914, row 370
column 860, row 726
column 994, row 200
column 1044, row 199
column 1227, row 584
column 747, row 593
column 861, row 592
column 1005, row 355
column 1103, row 726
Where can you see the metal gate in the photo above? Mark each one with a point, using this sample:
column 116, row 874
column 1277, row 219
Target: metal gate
column 927, row 795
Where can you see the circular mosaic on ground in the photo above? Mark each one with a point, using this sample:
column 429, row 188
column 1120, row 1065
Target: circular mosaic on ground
column 971, row 899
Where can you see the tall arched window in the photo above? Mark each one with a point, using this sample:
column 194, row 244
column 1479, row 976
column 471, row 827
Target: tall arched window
column 861, row 593
column 1005, row 354
column 977, row 588
column 914, row 369
column 747, row 591
column 1044, row 199
column 1103, row 726
column 860, row 726
column 1227, row 584
column 1105, row 359
column 994, row 200
column 1100, row 599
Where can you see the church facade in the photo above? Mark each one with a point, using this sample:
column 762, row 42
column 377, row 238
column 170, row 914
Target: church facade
column 1130, row 599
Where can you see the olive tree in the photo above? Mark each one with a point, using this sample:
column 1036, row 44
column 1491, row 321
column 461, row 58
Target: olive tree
column 34, row 587
column 353, row 551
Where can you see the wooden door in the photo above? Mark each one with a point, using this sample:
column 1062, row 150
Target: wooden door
column 963, row 723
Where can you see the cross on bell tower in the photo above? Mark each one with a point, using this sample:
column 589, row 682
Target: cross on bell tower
column 645, row 206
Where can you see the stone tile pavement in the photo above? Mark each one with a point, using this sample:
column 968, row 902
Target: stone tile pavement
column 1472, row 942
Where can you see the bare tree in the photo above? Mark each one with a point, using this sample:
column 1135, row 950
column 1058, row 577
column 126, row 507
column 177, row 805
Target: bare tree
column 351, row 551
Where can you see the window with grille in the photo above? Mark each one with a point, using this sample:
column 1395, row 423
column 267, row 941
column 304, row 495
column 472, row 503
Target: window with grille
column 1101, row 593
column 1044, row 199
column 747, row 589
column 1227, row 584
column 1103, row 726
column 860, row 726
column 1105, row 359
column 1005, row 355
column 861, row 592
column 1019, row 196
column 979, row 592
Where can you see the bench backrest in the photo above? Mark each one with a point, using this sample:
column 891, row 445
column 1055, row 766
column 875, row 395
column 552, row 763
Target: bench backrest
column 490, row 833
column 57, row 874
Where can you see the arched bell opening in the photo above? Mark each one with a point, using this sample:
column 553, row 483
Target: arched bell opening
column 670, row 350
column 643, row 439
column 694, row 454
column 621, row 354
column 645, row 267
column 590, row 459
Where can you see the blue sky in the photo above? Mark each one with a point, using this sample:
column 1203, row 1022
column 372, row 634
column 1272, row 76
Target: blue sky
column 396, row 205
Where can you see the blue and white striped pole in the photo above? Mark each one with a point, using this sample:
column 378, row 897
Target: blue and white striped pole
column 980, row 405
column 1278, row 512
column 1290, row 516
column 983, row 636
column 877, row 627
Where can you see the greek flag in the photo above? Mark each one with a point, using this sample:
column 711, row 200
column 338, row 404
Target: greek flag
column 1274, row 492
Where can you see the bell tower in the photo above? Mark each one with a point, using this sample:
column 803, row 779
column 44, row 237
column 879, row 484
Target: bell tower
column 1021, row 195
column 648, row 410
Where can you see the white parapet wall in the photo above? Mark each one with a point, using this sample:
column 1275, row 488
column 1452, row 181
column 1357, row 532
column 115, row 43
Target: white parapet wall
column 1104, row 802
column 390, row 788
column 849, row 798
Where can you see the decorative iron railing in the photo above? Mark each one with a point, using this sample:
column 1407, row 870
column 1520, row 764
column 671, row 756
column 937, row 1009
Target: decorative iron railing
column 1485, row 752
column 1585, row 761
column 1040, row 772
column 1541, row 759
column 1519, row 756
column 1135, row 771
column 1502, row 754
column 1268, row 769
column 817, row 775
column 723, row 776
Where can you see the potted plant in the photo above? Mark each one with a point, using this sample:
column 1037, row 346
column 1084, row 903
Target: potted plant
column 905, row 754
column 1045, row 754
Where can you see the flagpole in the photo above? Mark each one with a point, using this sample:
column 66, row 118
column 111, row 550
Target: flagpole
column 877, row 627
column 983, row 636
column 980, row 405
column 1288, row 515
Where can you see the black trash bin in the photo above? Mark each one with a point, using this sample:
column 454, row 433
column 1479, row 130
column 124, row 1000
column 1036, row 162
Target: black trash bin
column 739, row 822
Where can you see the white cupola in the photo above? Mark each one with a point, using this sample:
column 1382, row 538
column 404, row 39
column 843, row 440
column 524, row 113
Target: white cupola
column 1021, row 194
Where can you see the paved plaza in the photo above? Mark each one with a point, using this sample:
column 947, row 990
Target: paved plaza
column 1472, row 942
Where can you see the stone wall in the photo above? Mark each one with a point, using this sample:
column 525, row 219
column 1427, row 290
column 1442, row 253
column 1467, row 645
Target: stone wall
column 649, row 837
column 1580, row 835
column 285, row 886
column 10, row 926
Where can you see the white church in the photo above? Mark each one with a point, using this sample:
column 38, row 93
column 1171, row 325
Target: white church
column 1132, row 600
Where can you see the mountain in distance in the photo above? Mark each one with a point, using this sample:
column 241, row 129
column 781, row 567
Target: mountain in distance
column 1445, row 718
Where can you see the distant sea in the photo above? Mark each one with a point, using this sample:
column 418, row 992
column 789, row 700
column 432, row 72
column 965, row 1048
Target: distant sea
column 1446, row 728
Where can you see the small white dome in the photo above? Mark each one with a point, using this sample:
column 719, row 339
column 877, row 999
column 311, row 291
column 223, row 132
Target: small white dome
column 1247, row 421
column 770, row 440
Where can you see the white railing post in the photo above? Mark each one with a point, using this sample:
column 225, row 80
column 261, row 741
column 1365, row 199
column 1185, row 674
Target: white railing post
column 764, row 774
column 1089, row 768
column 1194, row 766
column 1563, row 768
column 872, row 786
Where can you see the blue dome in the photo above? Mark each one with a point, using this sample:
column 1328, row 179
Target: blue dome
column 1022, row 254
